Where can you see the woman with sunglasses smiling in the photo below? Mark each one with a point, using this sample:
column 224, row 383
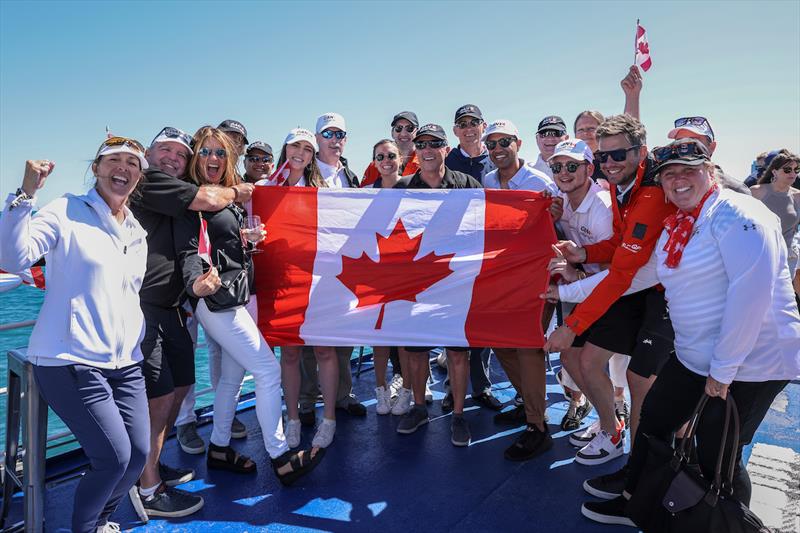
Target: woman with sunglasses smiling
column 299, row 150
column 230, row 324
column 776, row 191
column 85, row 346
column 722, row 263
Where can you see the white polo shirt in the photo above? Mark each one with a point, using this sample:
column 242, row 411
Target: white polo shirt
column 333, row 175
column 543, row 166
column 590, row 223
column 527, row 178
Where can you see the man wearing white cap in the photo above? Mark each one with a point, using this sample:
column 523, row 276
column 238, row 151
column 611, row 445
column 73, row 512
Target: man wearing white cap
column 331, row 137
column 168, row 365
column 503, row 142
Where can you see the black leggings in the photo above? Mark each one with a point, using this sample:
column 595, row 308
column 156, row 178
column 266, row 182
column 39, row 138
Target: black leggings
column 670, row 403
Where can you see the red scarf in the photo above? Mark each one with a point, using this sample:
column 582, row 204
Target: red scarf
column 680, row 226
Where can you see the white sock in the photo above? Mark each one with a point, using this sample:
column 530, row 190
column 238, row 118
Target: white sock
column 146, row 493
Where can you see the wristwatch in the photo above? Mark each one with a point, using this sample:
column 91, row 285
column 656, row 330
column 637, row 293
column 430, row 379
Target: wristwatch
column 20, row 196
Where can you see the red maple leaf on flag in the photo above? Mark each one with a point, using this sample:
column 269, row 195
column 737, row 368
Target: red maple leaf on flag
column 644, row 48
column 396, row 275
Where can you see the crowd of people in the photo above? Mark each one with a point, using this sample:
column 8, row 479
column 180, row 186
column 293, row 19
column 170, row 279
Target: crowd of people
column 674, row 280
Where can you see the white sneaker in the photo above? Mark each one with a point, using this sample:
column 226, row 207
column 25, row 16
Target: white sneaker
column 441, row 359
column 403, row 402
column 293, row 433
column 395, row 385
column 324, row 435
column 602, row 448
column 582, row 437
column 384, row 406
column 109, row 527
column 428, row 394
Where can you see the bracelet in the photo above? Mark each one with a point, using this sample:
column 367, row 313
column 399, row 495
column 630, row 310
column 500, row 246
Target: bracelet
column 20, row 196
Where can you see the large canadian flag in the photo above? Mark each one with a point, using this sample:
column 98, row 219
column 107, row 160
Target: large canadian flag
column 392, row 267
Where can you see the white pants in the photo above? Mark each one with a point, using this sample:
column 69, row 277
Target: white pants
column 617, row 366
column 244, row 349
column 186, row 414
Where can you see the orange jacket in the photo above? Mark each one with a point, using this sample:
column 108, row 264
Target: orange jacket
column 637, row 226
column 371, row 175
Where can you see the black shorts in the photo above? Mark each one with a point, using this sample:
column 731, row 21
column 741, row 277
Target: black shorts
column 168, row 350
column 424, row 349
column 637, row 325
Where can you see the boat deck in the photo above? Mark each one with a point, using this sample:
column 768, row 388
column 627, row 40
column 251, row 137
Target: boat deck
column 373, row 479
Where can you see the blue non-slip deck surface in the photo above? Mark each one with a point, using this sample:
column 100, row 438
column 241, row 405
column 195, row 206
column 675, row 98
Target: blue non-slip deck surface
column 373, row 479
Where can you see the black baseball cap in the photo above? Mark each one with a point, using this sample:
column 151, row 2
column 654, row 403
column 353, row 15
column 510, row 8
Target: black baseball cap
column 552, row 122
column 258, row 145
column 468, row 110
column 433, row 130
column 408, row 115
column 233, row 126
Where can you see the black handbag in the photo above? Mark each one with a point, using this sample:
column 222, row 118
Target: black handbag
column 234, row 291
column 673, row 496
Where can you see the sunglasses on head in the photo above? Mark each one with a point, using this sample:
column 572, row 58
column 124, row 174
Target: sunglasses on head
column 123, row 141
column 619, row 155
column 329, row 134
column 550, row 133
column 391, row 156
column 174, row 133
column 464, row 124
column 701, row 122
column 688, row 149
column 421, row 145
column 259, row 159
column 571, row 167
column 219, row 152
column 409, row 128
column 505, row 142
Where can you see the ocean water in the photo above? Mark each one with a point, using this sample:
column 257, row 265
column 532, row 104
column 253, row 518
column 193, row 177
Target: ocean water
column 22, row 304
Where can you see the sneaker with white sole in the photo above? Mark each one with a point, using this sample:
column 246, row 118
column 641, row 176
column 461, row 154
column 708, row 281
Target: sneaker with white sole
column 584, row 436
column 383, row 398
column 324, row 435
column 189, row 440
column 395, row 385
column 608, row 486
column 293, row 428
column 602, row 448
column 403, row 402
column 608, row 512
column 109, row 527
column 171, row 503
column 575, row 414
column 238, row 429
column 417, row 416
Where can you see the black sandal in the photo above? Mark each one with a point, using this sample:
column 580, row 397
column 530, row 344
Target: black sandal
column 302, row 463
column 233, row 461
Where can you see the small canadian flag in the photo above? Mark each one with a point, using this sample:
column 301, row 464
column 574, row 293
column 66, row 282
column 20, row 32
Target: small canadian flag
column 203, row 242
column 280, row 175
column 642, row 48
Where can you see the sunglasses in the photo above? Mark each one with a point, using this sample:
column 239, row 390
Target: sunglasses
column 219, row 152
column 683, row 150
column 421, row 145
column 550, row 133
column 259, row 159
column 408, row 128
column 174, row 133
column 329, row 134
column 701, row 122
column 619, row 155
column 571, row 167
column 464, row 124
column 123, row 141
column 391, row 156
column 790, row 170
column 505, row 142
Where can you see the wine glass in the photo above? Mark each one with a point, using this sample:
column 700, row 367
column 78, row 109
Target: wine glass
column 252, row 233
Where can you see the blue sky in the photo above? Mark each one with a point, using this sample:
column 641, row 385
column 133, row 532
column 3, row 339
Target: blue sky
column 68, row 69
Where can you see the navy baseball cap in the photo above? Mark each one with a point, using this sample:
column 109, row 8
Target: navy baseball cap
column 552, row 122
column 258, row 145
column 468, row 110
column 433, row 130
column 233, row 126
column 409, row 116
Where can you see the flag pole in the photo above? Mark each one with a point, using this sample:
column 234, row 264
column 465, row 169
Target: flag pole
column 635, row 41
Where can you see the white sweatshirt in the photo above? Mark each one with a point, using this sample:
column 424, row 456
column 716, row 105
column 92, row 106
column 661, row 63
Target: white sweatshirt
column 95, row 266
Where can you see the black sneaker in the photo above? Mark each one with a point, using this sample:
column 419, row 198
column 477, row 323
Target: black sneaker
column 575, row 415
column 174, row 476
column 459, row 429
column 531, row 442
column 416, row 416
column 351, row 406
column 171, row 503
column 238, row 429
column 515, row 416
column 308, row 419
column 608, row 512
column 447, row 402
column 488, row 400
column 609, row 486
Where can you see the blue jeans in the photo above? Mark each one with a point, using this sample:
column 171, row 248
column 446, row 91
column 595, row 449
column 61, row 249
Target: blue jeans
column 107, row 412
